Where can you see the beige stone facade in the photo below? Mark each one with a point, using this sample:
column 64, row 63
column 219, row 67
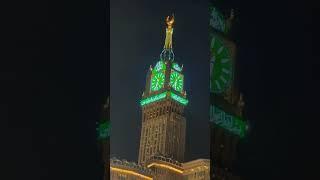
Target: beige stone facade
column 196, row 170
column 160, row 168
column 124, row 170
column 165, row 168
column 163, row 130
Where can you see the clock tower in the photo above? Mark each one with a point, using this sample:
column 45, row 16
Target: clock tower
column 103, row 134
column 163, row 101
column 227, row 123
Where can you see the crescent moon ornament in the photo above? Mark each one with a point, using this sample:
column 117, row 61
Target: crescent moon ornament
column 170, row 21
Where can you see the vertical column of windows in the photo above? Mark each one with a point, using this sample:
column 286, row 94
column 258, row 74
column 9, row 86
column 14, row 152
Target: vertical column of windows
column 160, row 135
column 142, row 142
column 145, row 142
column 157, row 137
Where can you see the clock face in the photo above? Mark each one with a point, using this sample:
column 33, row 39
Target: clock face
column 157, row 81
column 176, row 80
column 217, row 20
column 221, row 66
column 104, row 129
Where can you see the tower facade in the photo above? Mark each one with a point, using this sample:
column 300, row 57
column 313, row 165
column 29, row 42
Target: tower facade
column 103, row 131
column 228, row 125
column 163, row 100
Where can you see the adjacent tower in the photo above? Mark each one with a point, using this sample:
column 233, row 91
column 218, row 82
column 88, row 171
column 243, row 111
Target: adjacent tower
column 228, row 125
column 163, row 100
column 103, row 131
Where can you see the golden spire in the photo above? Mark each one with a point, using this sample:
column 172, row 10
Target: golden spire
column 169, row 32
column 170, row 21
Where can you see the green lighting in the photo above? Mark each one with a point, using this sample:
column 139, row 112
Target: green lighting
column 176, row 80
column 231, row 123
column 217, row 20
column 221, row 66
column 153, row 98
column 104, row 130
column 162, row 96
column 158, row 76
column 179, row 98
column 157, row 81
column 176, row 67
column 159, row 66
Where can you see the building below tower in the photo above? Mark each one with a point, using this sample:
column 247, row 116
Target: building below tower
column 165, row 168
column 197, row 169
column 124, row 170
column 160, row 168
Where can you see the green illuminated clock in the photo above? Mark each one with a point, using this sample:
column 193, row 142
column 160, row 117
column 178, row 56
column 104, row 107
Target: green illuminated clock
column 104, row 130
column 176, row 80
column 157, row 81
column 221, row 66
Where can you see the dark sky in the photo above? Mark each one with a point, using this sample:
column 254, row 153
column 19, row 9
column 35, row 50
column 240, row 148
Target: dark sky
column 274, row 42
column 54, row 79
column 137, row 32
column 53, row 85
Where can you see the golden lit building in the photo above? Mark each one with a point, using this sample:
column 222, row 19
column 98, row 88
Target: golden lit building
column 163, row 101
column 165, row 168
column 124, row 170
column 196, row 170
column 162, row 140
column 160, row 168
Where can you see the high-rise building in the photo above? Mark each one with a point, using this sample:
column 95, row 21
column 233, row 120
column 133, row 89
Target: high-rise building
column 103, row 131
column 162, row 140
column 163, row 100
column 228, row 125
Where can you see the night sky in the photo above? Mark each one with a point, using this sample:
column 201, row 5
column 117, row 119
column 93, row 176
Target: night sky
column 274, row 45
column 137, row 32
column 53, row 86
column 55, row 81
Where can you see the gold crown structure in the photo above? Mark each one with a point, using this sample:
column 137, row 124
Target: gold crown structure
column 167, row 52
